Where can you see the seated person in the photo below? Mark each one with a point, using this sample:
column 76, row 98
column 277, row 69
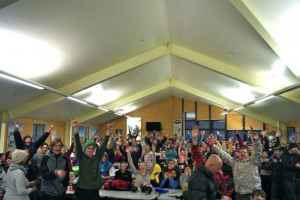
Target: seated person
column 107, row 169
column 123, row 173
column 171, row 180
column 154, row 179
column 187, row 172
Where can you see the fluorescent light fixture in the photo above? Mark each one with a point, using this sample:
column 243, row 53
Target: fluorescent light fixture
column 102, row 108
column 264, row 99
column 21, row 81
column 117, row 113
column 77, row 100
column 238, row 108
column 224, row 113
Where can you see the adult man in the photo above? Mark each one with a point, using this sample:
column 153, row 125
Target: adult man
column 291, row 172
column 245, row 167
column 54, row 171
column 123, row 173
column 276, row 166
column 89, row 181
column 201, row 184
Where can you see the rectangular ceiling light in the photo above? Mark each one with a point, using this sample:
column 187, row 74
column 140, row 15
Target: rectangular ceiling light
column 264, row 99
column 102, row 108
column 238, row 108
column 77, row 100
column 21, row 81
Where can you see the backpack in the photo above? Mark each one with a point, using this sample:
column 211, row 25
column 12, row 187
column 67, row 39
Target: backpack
column 119, row 185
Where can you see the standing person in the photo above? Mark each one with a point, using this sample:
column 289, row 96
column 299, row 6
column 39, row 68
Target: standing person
column 89, row 181
column 17, row 185
column 54, row 171
column 291, row 172
column 201, row 184
column 275, row 165
column 245, row 168
column 26, row 143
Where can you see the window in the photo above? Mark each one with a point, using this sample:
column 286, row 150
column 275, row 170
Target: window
column 218, row 124
column 204, row 124
column 38, row 131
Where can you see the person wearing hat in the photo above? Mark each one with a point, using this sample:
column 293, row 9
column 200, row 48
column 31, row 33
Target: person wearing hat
column 291, row 172
column 89, row 181
column 17, row 185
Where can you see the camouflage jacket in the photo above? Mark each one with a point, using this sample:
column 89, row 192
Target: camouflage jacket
column 245, row 172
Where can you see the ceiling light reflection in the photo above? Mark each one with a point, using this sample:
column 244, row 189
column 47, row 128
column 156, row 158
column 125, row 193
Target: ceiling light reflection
column 27, row 57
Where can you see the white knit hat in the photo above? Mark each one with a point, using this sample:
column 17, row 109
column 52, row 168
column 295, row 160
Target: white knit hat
column 18, row 156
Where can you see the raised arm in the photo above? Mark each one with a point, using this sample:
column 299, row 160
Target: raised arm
column 101, row 149
column 78, row 147
column 256, row 153
column 18, row 138
column 131, row 165
column 222, row 154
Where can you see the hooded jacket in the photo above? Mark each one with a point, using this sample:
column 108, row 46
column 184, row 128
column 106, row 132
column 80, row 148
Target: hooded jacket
column 17, row 185
column 52, row 185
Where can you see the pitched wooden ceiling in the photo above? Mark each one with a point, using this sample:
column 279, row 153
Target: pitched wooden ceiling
column 133, row 53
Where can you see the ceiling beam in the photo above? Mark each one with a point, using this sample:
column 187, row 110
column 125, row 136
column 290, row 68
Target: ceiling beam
column 122, row 102
column 90, row 115
column 264, row 33
column 184, row 87
column 223, row 68
column 138, row 95
column 92, row 79
column 223, row 102
column 116, row 69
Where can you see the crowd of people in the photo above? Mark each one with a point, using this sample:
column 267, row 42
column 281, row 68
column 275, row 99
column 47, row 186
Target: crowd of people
column 202, row 165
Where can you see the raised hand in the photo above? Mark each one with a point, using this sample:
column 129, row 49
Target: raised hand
column 263, row 133
column 195, row 131
column 75, row 123
column 50, row 128
column 109, row 128
column 16, row 127
column 253, row 135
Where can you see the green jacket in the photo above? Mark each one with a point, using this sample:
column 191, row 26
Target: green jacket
column 89, row 172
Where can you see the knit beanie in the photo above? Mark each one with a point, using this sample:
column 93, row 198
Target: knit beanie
column 18, row 156
column 292, row 145
column 89, row 143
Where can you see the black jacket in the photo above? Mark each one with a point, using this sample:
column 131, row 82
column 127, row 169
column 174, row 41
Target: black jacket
column 289, row 161
column 20, row 144
column 201, row 186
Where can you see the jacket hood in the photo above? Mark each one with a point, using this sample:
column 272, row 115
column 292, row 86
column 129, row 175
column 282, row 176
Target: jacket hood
column 16, row 167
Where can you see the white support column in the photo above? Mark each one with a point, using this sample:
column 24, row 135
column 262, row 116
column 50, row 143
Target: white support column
column 2, row 136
